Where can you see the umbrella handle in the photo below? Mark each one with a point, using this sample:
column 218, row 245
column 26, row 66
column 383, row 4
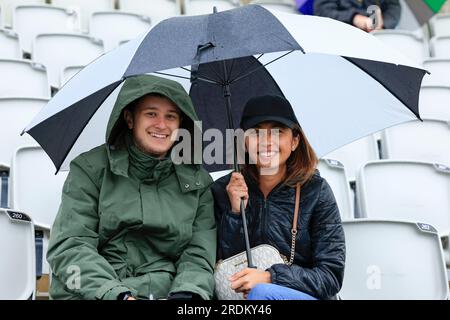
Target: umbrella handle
column 247, row 242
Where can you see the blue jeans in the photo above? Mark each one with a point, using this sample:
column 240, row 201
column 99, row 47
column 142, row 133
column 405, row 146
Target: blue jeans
column 268, row 291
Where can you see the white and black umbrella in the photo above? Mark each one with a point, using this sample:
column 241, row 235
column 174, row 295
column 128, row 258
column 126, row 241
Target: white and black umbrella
column 342, row 82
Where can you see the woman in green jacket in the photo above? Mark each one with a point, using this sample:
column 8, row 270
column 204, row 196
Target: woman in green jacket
column 132, row 224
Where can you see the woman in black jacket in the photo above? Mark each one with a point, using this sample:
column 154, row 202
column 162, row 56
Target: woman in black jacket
column 268, row 188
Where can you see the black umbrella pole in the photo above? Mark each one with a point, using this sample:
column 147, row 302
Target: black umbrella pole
column 227, row 96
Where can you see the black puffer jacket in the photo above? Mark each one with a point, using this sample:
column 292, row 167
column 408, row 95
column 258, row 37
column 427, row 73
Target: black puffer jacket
column 318, row 267
column 345, row 10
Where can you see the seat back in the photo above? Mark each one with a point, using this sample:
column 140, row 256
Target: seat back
column 57, row 51
column 34, row 186
column 334, row 172
column 157, row 10
column 393, row 260
column 405, row 190
column 416, row 140
column 22, row 78
column 16, row 113
column 18, row 266
column 434, row 102
column 31, row 20
column 103, row 25
column 9, row 45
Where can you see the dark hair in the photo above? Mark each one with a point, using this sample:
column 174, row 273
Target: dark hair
column 301, row 164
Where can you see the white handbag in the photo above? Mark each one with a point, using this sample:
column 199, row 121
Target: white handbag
column 263, row 256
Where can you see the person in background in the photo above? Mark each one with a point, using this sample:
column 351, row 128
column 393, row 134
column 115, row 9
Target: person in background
column 132, row 224
column 360, row 14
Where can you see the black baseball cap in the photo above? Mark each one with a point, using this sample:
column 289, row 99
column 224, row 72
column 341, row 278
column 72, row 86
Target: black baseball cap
column 268, row 108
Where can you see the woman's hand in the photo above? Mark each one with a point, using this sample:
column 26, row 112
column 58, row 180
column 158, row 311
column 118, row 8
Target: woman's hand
column 244, row 281
column 237, row 189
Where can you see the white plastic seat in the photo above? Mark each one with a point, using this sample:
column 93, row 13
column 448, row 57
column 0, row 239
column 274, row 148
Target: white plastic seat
column 440, row 24
column 389, row 260
column 440, row 47
column 434, row 102
column 440, row 72
column 284, row 6
column 18, row 266
column 415, row 140
column 333, row 171
column 85, row 8
column 197, row 7
column 68, row 73
column 16, row 113
column 57, row 51
column 29, row 21
column 9, row 45
column 406, row 42
column 157, row 10
column 7, row 9
column 355, row 154
column 103, row 25
column 405, row 190
column 34, row 186
column 22, row 78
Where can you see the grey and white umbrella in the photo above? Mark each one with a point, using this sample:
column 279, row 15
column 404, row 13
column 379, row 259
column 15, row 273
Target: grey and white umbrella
column 343, row 83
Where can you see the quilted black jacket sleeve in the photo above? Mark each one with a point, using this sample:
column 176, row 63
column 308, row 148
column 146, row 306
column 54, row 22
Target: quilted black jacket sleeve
column 324, row 278
column 318, row 267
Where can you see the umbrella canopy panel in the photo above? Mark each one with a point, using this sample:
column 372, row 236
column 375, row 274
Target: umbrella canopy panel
column 338, row 74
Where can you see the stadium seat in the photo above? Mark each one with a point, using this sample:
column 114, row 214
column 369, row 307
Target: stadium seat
column 406, row 42
column 7, row 9
column 9, row 45
column 157, row 10
column 68, row 72
column 333, row 171
column 415, row 140
column 16, row 113
column 196, row 7
column 103, row 25
column 57, row 51
column 29, row 21
column 17, row 270
column 389, row 260
column 284, row 6
column 34, row 186
column 440, row 25
column 85, row 8
column 434, row 102
column 22, row 78
column 355, row 154
column 405, row 190
column 440, row 72
column 440, row 47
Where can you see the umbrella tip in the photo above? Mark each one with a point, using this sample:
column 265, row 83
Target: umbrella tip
column 214, row 9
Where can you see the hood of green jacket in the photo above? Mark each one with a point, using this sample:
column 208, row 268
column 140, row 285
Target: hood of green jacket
column 133, row 89
column 139, row 86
